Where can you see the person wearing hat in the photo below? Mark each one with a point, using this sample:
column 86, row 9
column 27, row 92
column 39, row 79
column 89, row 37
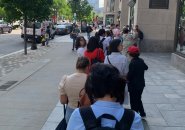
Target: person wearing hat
column 136, row 81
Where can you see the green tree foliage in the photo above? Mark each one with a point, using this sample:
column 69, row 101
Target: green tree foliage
column 2, row 12
column 32, row 9
column 82, row 9
column 62, row 8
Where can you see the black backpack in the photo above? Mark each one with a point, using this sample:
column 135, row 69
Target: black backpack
column 93, row 123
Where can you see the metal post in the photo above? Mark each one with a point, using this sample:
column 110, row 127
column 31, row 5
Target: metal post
column 25, row 37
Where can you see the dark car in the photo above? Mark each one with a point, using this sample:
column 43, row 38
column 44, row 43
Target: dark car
column 63, row 29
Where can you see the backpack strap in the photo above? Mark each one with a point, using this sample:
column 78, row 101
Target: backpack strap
column 127, row 119
column 88, row 118
column 108, row 60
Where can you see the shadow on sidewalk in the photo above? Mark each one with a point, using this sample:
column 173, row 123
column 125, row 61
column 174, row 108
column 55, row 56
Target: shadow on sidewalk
column 145, row 124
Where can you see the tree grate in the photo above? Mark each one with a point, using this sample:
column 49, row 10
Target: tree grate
column 7, row 85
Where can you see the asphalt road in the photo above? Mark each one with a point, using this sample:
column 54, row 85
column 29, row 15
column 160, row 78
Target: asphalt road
column 11, row 42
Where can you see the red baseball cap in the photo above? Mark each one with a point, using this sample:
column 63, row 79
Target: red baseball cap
column 133, row 50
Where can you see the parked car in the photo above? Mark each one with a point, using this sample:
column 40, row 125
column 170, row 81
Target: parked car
column 5, row 27
column 63, row 29
column 40, row 30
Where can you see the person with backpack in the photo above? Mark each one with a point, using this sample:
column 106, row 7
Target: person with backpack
column 94, row 53
column 105, row 87
column 89, row 30
column 136, row 81
column 102, row 38
column 106, row 43
column 72, row 85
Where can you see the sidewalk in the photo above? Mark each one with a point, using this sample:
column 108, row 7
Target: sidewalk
column 31, row 102
column 163, row 98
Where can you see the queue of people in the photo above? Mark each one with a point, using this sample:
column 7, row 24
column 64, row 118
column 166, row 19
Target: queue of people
column 108, row 70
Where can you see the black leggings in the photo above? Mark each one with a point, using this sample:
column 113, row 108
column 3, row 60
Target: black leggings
column 136, row 102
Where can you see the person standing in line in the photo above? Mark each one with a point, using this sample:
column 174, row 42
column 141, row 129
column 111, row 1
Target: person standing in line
column 136, row 81
column 94, row 53
column 89, row 30
column 74, row 35
column 116, row 32
column 102, row 38
column 106, row 43
column 119, row 61
column 105, row 87
column 80, row 45
column 112, row 26
column 71, row 85
column 128, row 40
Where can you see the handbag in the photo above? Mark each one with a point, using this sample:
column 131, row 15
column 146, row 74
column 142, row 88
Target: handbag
column 63, row 124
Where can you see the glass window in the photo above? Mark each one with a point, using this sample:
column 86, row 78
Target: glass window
column 37, row 25
column 159, row 4
column 181, row 28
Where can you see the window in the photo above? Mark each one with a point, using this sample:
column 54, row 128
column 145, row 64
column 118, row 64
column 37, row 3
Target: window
column 159, row 4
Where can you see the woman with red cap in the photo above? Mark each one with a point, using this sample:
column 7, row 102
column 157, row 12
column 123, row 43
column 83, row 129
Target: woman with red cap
column 136, row 81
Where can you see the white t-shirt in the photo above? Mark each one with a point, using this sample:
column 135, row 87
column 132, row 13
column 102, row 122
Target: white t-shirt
column 80, row 51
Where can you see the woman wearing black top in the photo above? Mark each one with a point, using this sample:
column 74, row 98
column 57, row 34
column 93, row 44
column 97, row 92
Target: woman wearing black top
column 136, row 81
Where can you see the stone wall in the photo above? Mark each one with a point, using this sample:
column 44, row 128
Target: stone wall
column 158, row 26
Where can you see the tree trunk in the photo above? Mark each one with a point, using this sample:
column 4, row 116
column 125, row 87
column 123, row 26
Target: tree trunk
column 81, row 24
column 34, row 45
column 25, row 37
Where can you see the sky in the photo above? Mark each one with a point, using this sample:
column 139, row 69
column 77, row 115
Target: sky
column 101, row 3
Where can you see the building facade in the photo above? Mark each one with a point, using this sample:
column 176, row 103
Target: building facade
column 162, row 22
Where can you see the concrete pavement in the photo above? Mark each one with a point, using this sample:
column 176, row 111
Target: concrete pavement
column 31, row 103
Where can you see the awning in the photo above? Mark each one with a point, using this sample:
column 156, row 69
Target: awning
column 131, row 3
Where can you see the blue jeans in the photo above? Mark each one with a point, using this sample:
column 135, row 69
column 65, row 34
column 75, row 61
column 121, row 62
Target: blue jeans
column 69, row 111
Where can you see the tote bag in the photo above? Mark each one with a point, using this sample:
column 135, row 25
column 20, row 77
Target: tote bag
column 63, row 124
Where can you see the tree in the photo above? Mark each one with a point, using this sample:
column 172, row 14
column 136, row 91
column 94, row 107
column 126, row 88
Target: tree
column 2, row 12
column 28, row 10
column 82, row 9
column 63, row 9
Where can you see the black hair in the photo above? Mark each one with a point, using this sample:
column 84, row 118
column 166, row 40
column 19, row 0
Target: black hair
column 101, row 32
column 78, row 42
column 92, row 44
column 125, row 30
column 82, row 63
column 105, row 79
column 108, row 32
column 114, row 45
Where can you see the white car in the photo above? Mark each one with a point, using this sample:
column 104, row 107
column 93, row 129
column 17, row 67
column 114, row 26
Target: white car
column 4, row 27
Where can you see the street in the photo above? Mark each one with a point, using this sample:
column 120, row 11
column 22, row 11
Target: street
column 11, row 42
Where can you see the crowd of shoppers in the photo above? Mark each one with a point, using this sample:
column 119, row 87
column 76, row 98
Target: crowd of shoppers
column 108, row 70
